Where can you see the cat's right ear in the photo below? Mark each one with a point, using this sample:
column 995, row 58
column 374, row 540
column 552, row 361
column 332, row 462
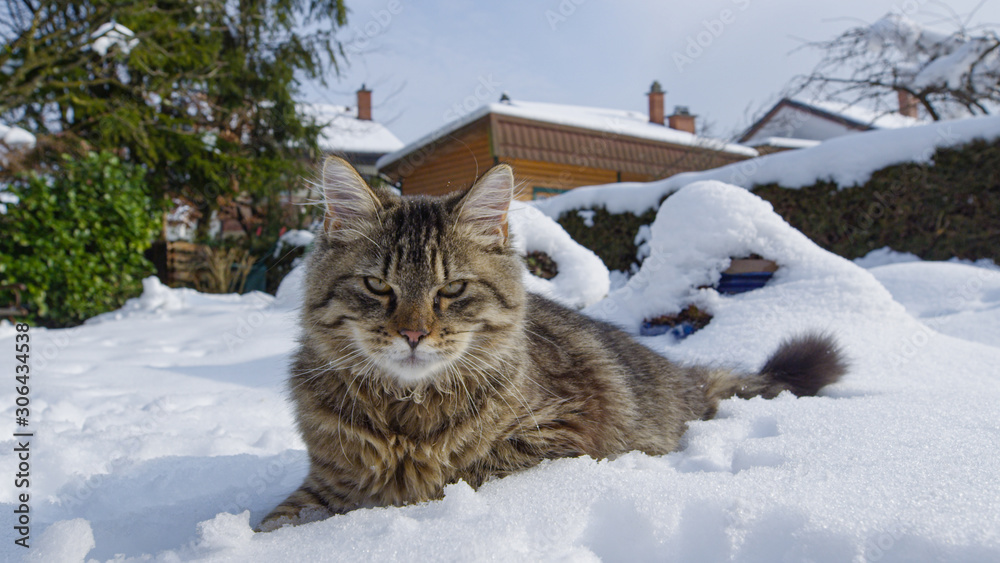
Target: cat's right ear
column 484, row 207
column 347, row 198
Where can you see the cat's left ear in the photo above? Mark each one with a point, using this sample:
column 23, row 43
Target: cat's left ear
column 347, row 197
column 484, row 207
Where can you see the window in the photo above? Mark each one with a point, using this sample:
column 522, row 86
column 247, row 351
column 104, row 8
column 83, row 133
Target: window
column 541, row 193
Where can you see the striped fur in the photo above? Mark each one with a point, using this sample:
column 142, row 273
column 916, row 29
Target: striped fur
column 423, row 361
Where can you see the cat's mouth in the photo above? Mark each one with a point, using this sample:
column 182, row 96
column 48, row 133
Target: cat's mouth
column 413, row 361
column 413, row 365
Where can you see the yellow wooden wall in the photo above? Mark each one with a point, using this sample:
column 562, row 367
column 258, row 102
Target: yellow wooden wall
column 452, row 164
column 531, row 174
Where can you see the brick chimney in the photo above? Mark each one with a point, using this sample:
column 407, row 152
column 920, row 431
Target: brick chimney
column 682, row 120
column 908, row 104
column 364, row 104
column 656, row 103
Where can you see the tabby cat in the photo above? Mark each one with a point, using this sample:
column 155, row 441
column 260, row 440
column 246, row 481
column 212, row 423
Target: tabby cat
column 424, row 361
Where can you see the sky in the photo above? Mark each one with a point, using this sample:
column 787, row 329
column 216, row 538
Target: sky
column 432, row 61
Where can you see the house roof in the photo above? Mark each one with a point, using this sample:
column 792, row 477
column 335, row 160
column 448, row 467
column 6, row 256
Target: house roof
column 819, row 120
column 343, row 132
column 619, row 123
column 783, row 142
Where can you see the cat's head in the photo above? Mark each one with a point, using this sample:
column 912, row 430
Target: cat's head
column 415, row 290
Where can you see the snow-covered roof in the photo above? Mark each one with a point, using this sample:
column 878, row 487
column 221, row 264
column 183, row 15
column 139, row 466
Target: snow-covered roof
column 864, row 116
column 613, row 121
column 783, row 142
column 820, row 120
column 344, row 132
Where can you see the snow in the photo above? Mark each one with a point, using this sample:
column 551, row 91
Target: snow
column 782, row 142
column 297, row 238
column 848, row 160
column 588, row 216
column 68, row 540
column 293, row 239
column 344, row 132
column 929, row 60
column 182, row 221
column 793, row 123
column 582, row 279
column 885, row 256
column 110, row 35
column 859, row 114
column 610, row 121
column 12, row 138
column 5, row 198
column 955, row 299
column 15, row 137
column 163, row 430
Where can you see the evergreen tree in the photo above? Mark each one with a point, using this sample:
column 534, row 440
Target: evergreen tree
column 200, row 93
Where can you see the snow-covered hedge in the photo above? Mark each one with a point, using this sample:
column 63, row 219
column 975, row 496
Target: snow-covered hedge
column 914, row 189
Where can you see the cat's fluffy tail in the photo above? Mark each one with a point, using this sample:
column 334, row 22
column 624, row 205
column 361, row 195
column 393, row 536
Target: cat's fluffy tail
column 802, row 365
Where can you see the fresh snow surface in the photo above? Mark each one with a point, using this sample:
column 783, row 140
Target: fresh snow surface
column 848, row 160
column 955, row 299
column 163, row 432
column 885, row 256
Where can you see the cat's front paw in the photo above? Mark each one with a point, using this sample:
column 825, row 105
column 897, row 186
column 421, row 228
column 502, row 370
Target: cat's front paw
column 280, row 518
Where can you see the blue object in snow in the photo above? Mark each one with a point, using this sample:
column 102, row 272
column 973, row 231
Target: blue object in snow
column 731, row 284
column 679, row 331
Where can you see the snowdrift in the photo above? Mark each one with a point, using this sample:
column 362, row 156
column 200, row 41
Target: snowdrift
column 163, row 431
column 582, row 279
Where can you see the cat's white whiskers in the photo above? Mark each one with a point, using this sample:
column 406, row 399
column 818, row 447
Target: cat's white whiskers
column 526, row 375
column 359, row 233
column 485, row 368
column 510, row 383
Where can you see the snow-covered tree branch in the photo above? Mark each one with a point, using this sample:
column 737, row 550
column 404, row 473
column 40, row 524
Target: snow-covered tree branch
column 947, row 74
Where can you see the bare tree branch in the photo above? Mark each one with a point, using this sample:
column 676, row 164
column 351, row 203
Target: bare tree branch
column 949, row 74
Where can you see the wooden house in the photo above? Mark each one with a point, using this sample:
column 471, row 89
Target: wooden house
column 554, row 148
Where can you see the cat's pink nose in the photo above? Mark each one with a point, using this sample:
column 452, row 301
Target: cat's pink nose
column 413, row 336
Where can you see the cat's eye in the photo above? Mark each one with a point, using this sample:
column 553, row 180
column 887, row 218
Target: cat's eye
column 453, row 289
column 377, row 286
